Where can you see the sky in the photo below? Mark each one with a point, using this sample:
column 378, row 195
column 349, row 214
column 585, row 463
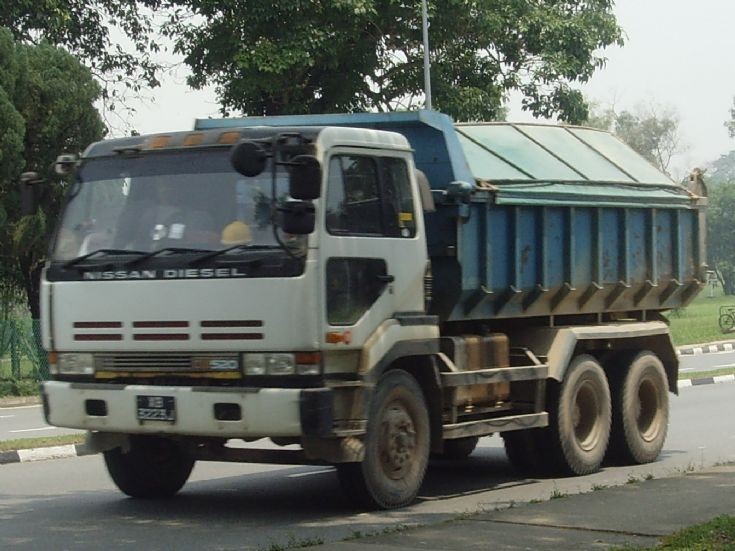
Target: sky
column 678, row 55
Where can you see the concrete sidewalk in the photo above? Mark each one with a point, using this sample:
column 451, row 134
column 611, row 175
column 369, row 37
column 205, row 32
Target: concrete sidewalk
column 636, row 514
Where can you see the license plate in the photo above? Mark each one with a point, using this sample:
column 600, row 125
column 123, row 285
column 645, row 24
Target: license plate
column 156, row 408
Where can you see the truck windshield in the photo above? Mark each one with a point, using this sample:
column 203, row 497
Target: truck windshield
column 179, row 201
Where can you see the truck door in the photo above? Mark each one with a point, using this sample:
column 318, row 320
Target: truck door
column 374, row 251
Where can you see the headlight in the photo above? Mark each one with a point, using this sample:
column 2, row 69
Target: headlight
column 282, row 363
column 71, row 363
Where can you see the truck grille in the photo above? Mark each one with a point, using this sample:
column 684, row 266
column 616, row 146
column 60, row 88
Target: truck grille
column 166, row 362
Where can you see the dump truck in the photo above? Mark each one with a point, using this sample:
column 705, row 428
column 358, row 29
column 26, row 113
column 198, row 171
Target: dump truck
column 366, row 291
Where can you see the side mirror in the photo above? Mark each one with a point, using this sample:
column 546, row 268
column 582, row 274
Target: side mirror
column 28, row 195
column 65, row 164
column 305, row 182
column 248, row 158
column 297, row 217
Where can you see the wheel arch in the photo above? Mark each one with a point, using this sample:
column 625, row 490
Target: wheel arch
column 417, row 358
column 605, row 342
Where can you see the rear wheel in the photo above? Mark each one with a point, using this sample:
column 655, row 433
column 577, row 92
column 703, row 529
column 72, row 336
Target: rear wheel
column 459, row 448
column 579, row 418
column 522, row 447
column 153, row 467
column 396, row 446
column 640, row 410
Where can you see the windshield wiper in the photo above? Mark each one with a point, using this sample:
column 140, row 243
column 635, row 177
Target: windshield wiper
column 242, row 247
column 176, row 250
column 100, row 252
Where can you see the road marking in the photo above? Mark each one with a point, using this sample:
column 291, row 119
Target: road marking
column 34, row 430
column 723, row 366
column 6, row 416
column 21, row 407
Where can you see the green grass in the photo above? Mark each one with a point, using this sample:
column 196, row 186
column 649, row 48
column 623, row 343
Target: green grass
column 27, row 368
column 22, row 387
column 42, row 442
column 698, row 322
column 703, row 374
column 716, row 535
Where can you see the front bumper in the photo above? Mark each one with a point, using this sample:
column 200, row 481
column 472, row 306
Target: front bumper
column 263, row 412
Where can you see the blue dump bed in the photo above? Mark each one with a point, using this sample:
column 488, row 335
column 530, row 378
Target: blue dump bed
column 538, row 220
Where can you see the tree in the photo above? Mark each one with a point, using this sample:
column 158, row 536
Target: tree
column 721, row 226
column 115, row 39
column 315, row 56
column 652, row 131
column 49, row 108
column 722, row 171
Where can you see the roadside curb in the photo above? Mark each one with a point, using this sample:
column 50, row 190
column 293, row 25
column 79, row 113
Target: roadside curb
column 42, row 454
column 698, row 349
column 685, row 383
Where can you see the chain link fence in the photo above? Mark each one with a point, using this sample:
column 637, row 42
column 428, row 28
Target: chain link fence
column 22, row 360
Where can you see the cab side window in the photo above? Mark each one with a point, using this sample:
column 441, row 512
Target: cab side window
column 353, row 197
column 369, row 196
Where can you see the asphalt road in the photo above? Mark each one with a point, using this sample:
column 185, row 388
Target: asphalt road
column 689, row 365
column 27, row 422
column 71, row 503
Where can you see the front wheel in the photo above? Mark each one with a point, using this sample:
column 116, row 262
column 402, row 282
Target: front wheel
column 396, row 446
column 640, row 411
column 153, row 467
column 580, row 418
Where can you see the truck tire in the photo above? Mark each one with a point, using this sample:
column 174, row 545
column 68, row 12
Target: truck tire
column 459, row 448
column 640, row 410
column 579, row 418
column 152, row 468
column 396, row 446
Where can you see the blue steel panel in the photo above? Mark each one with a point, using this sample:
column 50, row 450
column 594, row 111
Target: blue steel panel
column 688, row 245
column 555, row 246
column 472, row 249
column 664, row 244
column 611, row 246
column 583, row 254
column 500, row 239
column 637, row 253
column 528, row 247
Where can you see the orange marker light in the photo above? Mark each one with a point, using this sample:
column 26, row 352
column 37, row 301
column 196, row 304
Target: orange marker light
column 228, row 137
column 337, row 337
column 194, row 139
column 158, row 142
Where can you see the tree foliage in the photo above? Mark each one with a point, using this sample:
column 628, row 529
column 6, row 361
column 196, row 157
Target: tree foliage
column 315, row 56
column 46, row 107
column 652, row 131
column 721, row 230
column 721, row 219
column 115, row 39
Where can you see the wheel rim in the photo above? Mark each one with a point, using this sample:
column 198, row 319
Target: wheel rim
column 648, row 410
column 397, row 441
column 586, row 416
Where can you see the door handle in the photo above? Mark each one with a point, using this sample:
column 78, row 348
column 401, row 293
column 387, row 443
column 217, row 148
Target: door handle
column 386, row 278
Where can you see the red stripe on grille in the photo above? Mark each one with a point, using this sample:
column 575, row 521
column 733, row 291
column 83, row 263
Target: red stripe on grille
column 232, row 323
column 159, row 324
column 232, row 336
column 91, row 337
column 160, row 337
column 97, row 324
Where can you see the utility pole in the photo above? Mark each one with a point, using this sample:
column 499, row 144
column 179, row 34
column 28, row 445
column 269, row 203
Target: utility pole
column 427, row 63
